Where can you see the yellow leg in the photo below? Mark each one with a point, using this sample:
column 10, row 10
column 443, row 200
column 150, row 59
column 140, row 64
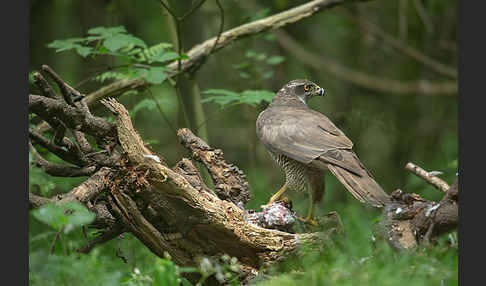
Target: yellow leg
column 310, row 215
column 277, row 195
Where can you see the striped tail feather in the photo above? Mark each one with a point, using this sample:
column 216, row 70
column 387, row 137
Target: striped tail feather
column 363, row 187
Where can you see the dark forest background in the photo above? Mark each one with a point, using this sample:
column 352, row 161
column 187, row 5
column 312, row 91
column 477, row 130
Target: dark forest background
column 358, row 52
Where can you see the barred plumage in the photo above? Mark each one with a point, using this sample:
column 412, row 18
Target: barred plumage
column 296, row 174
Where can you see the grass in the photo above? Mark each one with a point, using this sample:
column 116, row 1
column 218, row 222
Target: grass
column 355, row 259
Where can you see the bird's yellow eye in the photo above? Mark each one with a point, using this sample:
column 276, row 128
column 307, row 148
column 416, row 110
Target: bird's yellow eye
column 307, row 87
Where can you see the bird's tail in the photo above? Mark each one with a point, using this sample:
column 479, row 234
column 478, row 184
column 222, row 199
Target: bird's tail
column 363, row 187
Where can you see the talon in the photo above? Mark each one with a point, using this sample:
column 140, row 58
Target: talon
column 266, row 205
column 276, row 196
column 309, row 220
column 285, row 200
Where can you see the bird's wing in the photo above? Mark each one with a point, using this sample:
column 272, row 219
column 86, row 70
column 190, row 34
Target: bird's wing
column 304, row 135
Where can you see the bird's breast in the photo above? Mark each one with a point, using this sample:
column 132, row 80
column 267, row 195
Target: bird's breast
column 296, row 173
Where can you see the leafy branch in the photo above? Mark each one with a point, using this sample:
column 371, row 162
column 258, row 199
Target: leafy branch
column 226, row 98
column 139, row 60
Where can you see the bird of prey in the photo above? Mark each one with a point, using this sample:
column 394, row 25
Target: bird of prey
column 306, row 144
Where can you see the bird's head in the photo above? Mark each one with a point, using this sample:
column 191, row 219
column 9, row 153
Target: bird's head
column 300, row 89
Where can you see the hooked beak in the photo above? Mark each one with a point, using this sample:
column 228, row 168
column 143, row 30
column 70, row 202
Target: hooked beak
column 320, row 91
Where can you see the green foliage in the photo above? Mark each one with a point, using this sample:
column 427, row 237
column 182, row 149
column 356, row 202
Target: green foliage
column 149, row 104
column 45, row 185
column 156, row 75
column 106, row 42
column 154, row 52
column 71, row 44
column 257, row 66
column 137, row 278
column 356, row 259
column 225, row 269
column 93, row 269
column 137, row 58
column 65, row 216
column 340, row 267
column 38, row 180
column 146, row 103
column 31, row 77
column 225, row 98
column 165, row 273
column 353, row 258
column 275, row 60
column 110, row 75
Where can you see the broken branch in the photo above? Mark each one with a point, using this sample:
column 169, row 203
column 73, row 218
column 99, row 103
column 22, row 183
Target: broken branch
column 437, row 182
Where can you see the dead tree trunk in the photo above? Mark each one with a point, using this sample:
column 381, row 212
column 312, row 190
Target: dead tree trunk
column 132, row 189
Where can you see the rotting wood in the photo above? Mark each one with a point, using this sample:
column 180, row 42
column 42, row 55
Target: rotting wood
column 169, row 210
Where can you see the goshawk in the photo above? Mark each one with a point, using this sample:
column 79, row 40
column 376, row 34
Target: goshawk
column 306, row 144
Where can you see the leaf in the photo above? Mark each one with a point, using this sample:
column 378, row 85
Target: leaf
column 64, row 45
column 188, row 270
column 165, row 273
column 71, row 44
column 220, row 100
column 59, row 44
column 242, row 65
column 140, row 72
column 42, row 236
column 261, row 57
column 267, row 74
column 250, row 54
column 84, row 51
column 275, row 60
column 250, row 97
column 107, row 32
column 135, row 51
column 164, row 57
column 185, row 282
column 110, row 75
column 118, row 41
column 93, row 38
column 147, row 103
column 38, row 180
column 153, row 51
column 244, row 75
column 156, row 75
column 254, row 97
column 67, row 216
